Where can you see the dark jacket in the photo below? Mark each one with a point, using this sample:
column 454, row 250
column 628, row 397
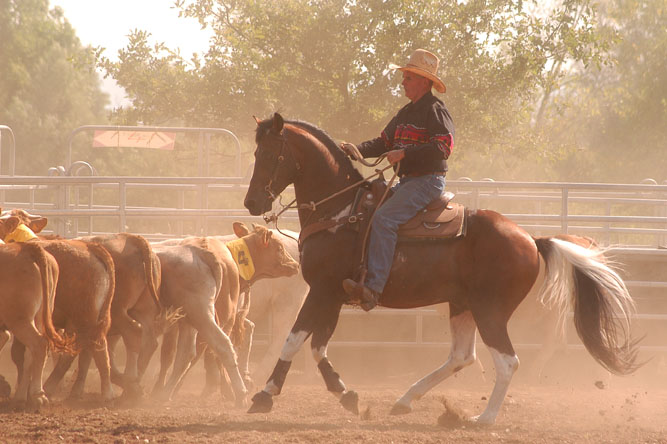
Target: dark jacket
column 424, row 129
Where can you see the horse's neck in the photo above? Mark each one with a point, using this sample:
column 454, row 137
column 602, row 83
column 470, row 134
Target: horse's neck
column 322, row 177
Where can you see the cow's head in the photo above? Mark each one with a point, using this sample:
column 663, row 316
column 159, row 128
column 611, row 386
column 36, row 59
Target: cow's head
column 34, row 222
column 269, row 255
column 8, row 225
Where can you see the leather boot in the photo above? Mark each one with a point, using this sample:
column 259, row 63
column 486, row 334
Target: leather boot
column 368, row 297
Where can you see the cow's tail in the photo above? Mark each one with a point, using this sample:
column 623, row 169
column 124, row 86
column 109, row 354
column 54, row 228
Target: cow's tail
column 48, row 269
column 151, row 268
column 580, row 280
column 104, row 317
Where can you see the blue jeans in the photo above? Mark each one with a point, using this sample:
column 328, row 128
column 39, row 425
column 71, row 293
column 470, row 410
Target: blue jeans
column 411, row 194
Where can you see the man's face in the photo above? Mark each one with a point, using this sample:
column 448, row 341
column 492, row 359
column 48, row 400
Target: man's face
column 415, row 86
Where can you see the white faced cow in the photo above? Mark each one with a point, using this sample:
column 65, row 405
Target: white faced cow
column 203, row 277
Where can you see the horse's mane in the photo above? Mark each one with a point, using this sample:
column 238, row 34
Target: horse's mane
column 264, row 126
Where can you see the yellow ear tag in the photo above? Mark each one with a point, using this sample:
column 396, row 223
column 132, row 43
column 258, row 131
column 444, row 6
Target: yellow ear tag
column 241, row 255
column 21, row 234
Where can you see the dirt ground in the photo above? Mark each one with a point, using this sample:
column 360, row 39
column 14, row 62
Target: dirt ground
column 591, row 409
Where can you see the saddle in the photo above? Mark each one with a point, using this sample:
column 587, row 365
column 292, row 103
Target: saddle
column 440, row 219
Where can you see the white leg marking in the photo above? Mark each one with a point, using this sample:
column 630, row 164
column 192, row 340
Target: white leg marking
column 271, row 388
column 319, row 353
column 461, row 355
column 292, row 345
column 506, row 365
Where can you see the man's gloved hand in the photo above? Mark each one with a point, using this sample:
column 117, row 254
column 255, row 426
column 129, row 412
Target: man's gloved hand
column 348, row 149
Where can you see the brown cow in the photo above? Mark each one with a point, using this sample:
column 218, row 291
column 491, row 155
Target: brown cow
column 202, row 276
column 28, row 275
column 82, row 306
column 136, row 312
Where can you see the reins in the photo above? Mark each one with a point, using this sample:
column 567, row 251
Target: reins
column 312, row 206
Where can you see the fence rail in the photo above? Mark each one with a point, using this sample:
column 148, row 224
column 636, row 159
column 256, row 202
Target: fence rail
column 630, row 217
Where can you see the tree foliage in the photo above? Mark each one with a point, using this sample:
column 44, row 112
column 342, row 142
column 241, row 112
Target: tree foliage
column 325, row 61
column 48, row 84
column 617, row 115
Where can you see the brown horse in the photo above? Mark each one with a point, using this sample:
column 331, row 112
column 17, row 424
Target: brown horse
column 484, row 275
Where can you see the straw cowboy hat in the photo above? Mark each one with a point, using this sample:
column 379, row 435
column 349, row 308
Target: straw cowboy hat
column 425, row 64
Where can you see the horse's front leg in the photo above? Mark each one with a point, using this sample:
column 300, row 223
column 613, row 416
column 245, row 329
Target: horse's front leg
column 318, row 316
column 322, row 333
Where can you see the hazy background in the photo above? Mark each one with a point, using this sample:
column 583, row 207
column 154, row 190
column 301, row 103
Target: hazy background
column 569, row 91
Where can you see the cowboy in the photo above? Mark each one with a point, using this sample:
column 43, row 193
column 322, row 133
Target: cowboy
column 417, row 142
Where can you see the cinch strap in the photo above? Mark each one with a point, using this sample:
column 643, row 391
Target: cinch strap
column 241, row 255
column 21, row 234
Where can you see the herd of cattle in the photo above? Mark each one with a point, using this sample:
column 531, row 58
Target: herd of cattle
column 79, row 297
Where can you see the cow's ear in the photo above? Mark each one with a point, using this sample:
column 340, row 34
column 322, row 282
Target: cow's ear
column 9, row 224
column 38, row 224
column 240, row 229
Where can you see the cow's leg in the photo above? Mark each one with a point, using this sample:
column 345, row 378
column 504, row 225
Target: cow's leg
column 200, row 349
column 244, row 349
column 18, row 358
column 167, row 356
column 185, row 352
column 149, row 335
column 212, row 370
column 4, row 337
column 30, row 387
column 123, row 325
column 312, row 312
column 5, row 389
column 63, row 363
column 101, row 356
column 221, row 345
column 461, row 355
column 82, row 373
column 283, row 315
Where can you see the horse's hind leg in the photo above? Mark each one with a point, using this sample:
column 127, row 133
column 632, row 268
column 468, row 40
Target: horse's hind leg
column 506, row 362
column 462, row 354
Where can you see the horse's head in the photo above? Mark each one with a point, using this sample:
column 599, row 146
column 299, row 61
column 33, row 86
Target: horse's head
column 275, row 167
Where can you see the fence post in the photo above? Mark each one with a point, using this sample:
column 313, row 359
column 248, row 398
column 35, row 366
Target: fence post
column 563, row 210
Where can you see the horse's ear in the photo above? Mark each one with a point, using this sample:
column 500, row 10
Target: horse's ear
column 278, row 123
column 256, row 120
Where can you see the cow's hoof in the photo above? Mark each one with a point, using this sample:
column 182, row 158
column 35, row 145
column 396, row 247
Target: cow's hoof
column 400, row 409
column 350, row 400
column 262, row 402
column 241, row 401
column 5, row 388
column 37, row 400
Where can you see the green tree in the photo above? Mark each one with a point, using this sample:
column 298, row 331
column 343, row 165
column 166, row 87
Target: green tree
column 325, row 61
column 617, row 115
column 48, row 83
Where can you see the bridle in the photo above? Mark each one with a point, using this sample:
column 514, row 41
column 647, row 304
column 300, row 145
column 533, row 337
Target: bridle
column 312, row 206
column 274, row 175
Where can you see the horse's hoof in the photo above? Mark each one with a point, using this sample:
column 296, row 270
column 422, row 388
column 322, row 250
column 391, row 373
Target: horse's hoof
column 400, row 409
column 482, row 421
column 350, row 400
column 262, row 402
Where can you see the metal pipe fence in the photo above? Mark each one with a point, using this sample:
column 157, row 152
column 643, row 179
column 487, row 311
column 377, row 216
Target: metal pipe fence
column 632, row 218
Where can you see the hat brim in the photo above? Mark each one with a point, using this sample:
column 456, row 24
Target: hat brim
column 437, row 83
